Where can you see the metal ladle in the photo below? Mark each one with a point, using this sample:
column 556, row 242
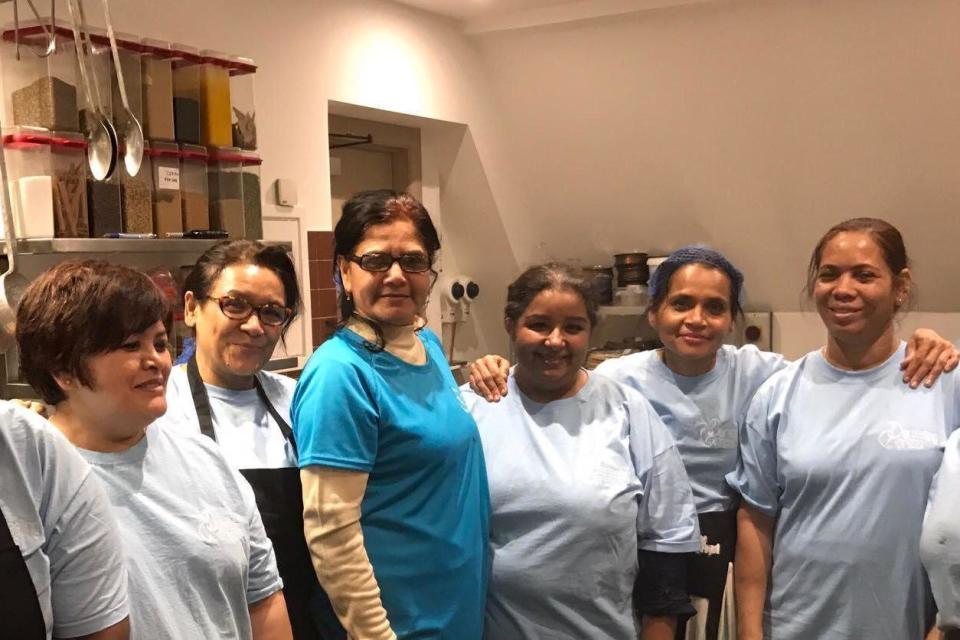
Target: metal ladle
column 132, row 131
column 102, row 141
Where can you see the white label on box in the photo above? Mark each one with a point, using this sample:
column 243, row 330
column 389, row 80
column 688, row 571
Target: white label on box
column 168, row 177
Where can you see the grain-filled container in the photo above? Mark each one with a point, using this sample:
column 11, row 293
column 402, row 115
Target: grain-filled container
column 130, row 53
column 105, row 204
column 30, row 172
column 194, row 197
column 205, row 77
column 244, row 112
column 225, row 180
column 137, row 197
column 69, row 164
column 40, row 92
column 165, row 168
column 156, row 63
column 252, row 209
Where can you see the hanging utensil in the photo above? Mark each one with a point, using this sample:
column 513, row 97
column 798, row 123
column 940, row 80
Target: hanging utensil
column 132, row 131
column 12, row 284
column 51, row 34
column 102, row 137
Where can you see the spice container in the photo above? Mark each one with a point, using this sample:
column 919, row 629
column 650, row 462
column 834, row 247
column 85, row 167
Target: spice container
column 30, row 174
column 69, row 167
column 243, row 119
column 165, row 161
column 40, row 92
column 129, row 51
column 193, row 187
column 157, row 81
column 252, row 209
column 224, row 177
column 205, row 77
column 104, row 201
column 137, row 197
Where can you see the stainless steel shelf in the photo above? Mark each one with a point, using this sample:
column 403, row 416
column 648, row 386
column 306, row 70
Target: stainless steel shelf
column 118, row 245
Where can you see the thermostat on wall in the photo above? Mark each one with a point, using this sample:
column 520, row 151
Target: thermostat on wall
column 286, row 192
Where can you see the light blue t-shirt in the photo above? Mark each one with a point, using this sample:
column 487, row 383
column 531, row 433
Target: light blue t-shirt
column 940, row 541
column 247, row 434
column 844, row 461
column 703, row 412
column 576, row 487
column 60, row 518
column 425, row 510
column 196, row 552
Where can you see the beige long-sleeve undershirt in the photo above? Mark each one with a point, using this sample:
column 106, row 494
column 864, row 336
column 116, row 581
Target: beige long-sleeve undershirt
column 331, row 521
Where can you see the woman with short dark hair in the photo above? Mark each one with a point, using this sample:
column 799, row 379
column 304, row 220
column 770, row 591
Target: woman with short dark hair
column 92, row 338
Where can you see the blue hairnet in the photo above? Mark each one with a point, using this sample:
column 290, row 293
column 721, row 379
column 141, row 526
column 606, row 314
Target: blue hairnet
column 695, row 254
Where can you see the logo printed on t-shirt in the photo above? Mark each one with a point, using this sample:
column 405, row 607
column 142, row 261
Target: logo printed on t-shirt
column 717, row 435
column 898, row 438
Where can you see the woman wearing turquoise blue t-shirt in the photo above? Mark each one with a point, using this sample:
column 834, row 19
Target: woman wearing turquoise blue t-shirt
column 394, row 487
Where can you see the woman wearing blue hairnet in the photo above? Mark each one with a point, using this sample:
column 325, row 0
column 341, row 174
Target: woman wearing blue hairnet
column 701, row 388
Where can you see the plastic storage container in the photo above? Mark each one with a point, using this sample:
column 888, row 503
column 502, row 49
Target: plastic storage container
column 40, row 92
column 194, row 197
column 137, row 197
column 252, row 209
column 205, row 77
column 243, row 110
column 129, row 52
column 30, row 173
column 69, row 166
column 157, row 79
column 165, row 168
column 225, row 180
column 105, row 203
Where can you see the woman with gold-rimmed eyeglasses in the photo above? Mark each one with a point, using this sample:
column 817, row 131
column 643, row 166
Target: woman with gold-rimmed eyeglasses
column 239, row 299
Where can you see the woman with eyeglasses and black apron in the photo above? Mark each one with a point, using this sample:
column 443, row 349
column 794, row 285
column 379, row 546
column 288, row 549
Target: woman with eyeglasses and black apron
column 61, row 564
column 239, row 299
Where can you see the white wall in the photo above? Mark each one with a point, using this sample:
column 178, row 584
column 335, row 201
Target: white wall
column 752, row 126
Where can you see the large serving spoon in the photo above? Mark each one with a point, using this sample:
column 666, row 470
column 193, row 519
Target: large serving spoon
column 51, row 34
column 102, row 139
column 132, row 131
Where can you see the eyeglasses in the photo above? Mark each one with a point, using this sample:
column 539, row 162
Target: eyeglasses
column 271, row 315
column 379, row 261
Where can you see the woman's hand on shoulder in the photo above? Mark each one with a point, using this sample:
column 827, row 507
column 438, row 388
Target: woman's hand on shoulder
column 31, row 405
column 928, row 355
column 488, row 377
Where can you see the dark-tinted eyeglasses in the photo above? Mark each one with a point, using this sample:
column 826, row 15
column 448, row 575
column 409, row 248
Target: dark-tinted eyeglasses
column 236, row 308
column 379, row 261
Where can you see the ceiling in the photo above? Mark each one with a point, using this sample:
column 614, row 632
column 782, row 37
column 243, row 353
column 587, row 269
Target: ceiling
column 473, row 9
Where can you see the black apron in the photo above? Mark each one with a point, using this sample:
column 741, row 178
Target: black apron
column 279, row 498
column 19, row 606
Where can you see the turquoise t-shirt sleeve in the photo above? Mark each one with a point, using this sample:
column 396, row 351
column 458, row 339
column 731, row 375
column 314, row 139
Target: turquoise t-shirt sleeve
column 335, row 417
column 666, row 518
column 756, row 477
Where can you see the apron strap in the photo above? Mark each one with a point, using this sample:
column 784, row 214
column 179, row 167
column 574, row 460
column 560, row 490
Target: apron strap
column 201, row 401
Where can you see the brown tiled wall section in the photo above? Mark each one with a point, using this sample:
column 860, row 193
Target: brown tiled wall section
column 323, row 295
